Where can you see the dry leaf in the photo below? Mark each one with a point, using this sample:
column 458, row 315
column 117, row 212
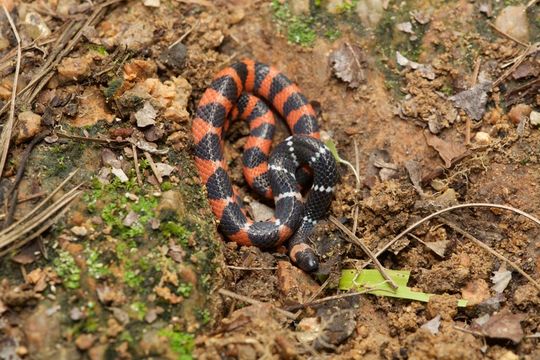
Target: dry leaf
column 500, row 279
column 438, row 247
column 130, row 218
column 405, row 27
column 474, row 100
column 447, row 151
column 146, row 115
column 426, row 71
column 414, row 169
column 505, row 326
column 120, row 174
column 433, row 325
column 164, row 169
column 348, row 63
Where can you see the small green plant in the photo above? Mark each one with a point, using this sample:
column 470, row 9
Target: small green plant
column 65, row 267
column 184, row 289
column 96, row 268
column 181, row 343
column 299, row 29
column 139, row 308
column 204, row 316
column 173, row 229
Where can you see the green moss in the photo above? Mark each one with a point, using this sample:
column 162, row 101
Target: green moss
column 181, row 343
column 184, row 289
column 112, row 87
column 172, row 229
column 204, row 316
column 166, row 186
column 67, row 269
column 299, row 29
column 96, row 269
column 140, row 309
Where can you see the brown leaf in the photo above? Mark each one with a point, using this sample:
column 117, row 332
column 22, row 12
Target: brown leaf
column 348, row 63
column 505, row 326
column 447, row 151
column 438, row 247
column 473, row 100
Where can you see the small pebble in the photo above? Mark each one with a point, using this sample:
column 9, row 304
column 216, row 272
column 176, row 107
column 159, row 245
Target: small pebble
column 79, row 231
column 482, row 138
column 534, row 116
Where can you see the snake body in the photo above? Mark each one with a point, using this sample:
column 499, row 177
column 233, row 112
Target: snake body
column 238, row 91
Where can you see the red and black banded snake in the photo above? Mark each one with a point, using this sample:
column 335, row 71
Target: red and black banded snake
column 237, row 91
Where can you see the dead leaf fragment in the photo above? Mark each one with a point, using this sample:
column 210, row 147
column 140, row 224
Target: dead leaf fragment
column 432, row 325
column 164, row 169
column 447, row 151
column 500, row 279
column 474, row 100
column 405, row 27
column 438, row 247
column 348, row 63
column 146, row 115
column 426, row 71
column 505, row 326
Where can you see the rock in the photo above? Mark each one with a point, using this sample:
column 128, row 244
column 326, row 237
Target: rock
column 92, row 108
column 482, row 138
column 151, row 3
column 79, row 231
column 175, row 56
column 513, row 21
column 97, row 352
column 370, row 12
column 339, row 324
column 76, row 68
column 28, row 127
column 534, row 116
column 42, row 332
column 85, row 341
column 518, row 112
column 35, row 26
column 476, row 291
column 296, row 285
column 309, row 329
column 299, row 7
column 171, row 201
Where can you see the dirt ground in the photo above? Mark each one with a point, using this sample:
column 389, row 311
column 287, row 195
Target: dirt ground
column 109, row 249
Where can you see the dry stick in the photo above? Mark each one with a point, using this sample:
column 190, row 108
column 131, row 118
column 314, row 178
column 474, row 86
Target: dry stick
column 8, row 127
column 250, row 268
column 41, row 230
column 40, row 205
column 17, row 232
column 448, row 209
column 185, row 34
column 329, row 298
column 529, row 50
column 136, row 162
column 507, row 35
column 251, row 301
column 90, row 139
column 354, row 239
column 20, row 173
column 531, row 3
column 153, row 167
column 459, row 230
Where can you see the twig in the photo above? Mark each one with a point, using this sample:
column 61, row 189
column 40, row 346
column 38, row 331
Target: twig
column 448, row 209
column 251, row 301
column 354, row 239
column 90, row 139
column 40, row 205
column 153, row 167
column 250, row 268
column 30, row 197
column 507, row 35
column 468, row 331
column 8, row 127
column 185, row 34
column 466, row 234
column 517, row 61
column 20, row 172
column 531, row 3
column 136, row 163
column 326, row 299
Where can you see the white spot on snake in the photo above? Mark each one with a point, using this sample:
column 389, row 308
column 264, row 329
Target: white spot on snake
column 287, row 194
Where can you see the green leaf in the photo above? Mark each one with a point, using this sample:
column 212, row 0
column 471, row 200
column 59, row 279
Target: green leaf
column 332, row 147
column 371, row 281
